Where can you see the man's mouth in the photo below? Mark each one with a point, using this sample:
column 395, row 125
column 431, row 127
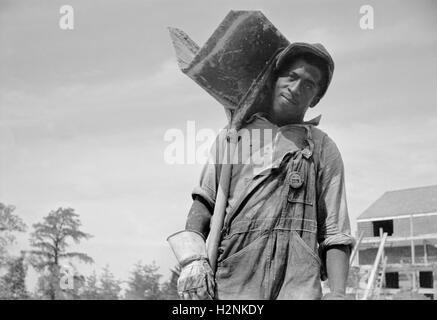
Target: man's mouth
column 289, row 98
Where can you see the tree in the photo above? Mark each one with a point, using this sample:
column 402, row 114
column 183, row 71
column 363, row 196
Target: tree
column 170, row 288
column 13, row 283
column 144, row 283
column 91, row 290
column 9, row 223
column 110, row 287
column 105, row 287
column 51, row 240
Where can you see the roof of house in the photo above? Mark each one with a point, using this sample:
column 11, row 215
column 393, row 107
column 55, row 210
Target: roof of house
column 403, row 203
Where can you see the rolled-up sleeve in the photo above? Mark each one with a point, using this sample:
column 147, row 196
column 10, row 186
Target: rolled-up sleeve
column 332, row 214
column 206, row 189
column 210, row 175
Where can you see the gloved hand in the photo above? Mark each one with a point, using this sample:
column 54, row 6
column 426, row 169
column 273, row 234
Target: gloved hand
column 196, row 281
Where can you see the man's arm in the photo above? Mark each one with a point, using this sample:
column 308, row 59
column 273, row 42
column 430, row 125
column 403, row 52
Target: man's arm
column 199, row 216
column 333, row 221
column 337, row 265
column 205, row 193
column 196, row 280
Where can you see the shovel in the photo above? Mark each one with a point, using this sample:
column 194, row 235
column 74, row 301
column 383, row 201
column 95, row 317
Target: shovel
column 233, row 66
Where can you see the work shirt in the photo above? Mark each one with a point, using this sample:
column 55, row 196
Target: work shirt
column 286, row 204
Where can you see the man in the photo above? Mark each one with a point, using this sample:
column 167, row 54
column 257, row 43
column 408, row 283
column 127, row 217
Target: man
column 286, row 223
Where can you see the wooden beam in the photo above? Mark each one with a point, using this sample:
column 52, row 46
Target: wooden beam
column 425, row 252
column 375, row 268
column 420, row 291
column 355, row 249
column 406, row 216
column 413, row 254
column 398, row 267
column 429, row 236
column 410, row 268
column 381, row 234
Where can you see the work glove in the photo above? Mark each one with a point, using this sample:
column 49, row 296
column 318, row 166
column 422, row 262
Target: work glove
column 196, row 281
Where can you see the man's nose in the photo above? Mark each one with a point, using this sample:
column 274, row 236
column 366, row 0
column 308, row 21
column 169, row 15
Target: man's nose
column 294, row 87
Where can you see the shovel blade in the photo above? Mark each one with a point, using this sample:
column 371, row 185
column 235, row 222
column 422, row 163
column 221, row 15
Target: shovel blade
column 231, row 61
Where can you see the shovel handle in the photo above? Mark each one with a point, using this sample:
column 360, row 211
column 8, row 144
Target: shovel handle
column 222, row 198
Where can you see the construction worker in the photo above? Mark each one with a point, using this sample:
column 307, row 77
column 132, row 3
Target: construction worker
column 286, row 225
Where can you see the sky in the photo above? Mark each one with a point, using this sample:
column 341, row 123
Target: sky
column 83, row 112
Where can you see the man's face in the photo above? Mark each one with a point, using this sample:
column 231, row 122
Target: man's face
column 296, row 87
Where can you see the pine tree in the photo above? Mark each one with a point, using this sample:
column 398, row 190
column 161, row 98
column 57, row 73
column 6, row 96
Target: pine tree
column 13, row 283
column 170, row 288
column 9, row 223
column 91, row 290
column 51, row 240
column 110, row 287
column 144, row 283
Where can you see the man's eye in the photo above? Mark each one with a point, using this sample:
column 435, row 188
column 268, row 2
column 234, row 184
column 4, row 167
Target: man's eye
column 292, row 76
column 309, row 86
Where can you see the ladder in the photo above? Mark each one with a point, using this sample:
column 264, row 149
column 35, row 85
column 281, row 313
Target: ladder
column 376, row 266
column 381, row 278
column 354, row 290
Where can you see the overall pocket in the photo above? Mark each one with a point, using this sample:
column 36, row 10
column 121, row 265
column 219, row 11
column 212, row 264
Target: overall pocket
column 303, row 247
column 245, row 255
column 242, row 274
column 302, row 278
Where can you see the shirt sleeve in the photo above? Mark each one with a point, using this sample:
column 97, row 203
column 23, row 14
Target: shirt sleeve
column 210, row 175
column 332, row 214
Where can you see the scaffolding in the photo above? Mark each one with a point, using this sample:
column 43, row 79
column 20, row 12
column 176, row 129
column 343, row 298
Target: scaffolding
column 369, row 281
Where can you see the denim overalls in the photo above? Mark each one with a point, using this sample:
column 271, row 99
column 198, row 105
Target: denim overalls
column 269, row 239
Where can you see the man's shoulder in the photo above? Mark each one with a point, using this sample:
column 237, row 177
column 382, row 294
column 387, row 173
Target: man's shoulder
column 321, row 137
column 327, row 148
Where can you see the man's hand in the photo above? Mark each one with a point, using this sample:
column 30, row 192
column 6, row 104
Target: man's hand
column 196, row 281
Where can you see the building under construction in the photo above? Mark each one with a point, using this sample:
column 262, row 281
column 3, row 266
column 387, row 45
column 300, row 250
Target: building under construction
column 396, row 250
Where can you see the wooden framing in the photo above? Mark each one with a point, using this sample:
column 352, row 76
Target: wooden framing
column 404, row 216
column 412, row 268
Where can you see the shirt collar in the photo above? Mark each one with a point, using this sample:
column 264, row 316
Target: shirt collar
column 262, row 115
column 314, row 121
